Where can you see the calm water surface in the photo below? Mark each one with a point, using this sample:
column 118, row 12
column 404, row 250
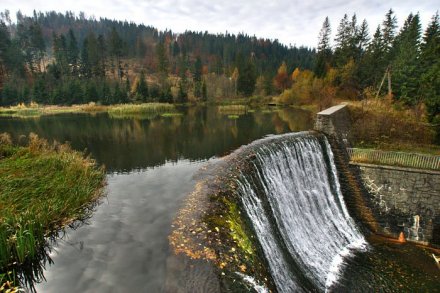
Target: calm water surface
column 151, row 165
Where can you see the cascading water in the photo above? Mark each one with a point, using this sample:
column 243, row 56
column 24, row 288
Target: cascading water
column 292, row 196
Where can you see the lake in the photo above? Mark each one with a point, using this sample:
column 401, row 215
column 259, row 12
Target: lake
column 151, row 164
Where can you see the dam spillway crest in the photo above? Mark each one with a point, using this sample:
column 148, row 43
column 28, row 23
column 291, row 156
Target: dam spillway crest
column 275, row 220
column 292, row 197
column 277, row 217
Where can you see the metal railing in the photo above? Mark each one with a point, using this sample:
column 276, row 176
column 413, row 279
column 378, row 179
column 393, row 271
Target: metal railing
column 411, row 160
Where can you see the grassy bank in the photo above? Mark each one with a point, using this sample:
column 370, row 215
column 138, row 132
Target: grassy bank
column 35, row 110
column 117, row 111
column 142, row 111
column 44, row 187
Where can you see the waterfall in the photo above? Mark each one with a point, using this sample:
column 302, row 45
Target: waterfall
column 291, row 195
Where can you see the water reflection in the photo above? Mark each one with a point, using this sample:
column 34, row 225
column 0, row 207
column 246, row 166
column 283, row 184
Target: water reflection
column 124, row 246
column 127, row 144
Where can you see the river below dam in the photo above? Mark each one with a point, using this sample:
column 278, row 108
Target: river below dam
column 152, row 165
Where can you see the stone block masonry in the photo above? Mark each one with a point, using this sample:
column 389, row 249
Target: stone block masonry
column 334, row 121
column 404, row 199
column 387, row 199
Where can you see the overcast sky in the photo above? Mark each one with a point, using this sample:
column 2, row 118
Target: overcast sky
column 290, row 21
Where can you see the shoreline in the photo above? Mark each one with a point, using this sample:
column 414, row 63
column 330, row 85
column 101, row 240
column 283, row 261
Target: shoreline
column 46, row 187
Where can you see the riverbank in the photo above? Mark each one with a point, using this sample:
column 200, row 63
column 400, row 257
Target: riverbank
column 44, row 188
column 119, row 110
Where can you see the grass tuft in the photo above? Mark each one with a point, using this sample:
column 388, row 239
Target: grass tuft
column 44, row 187
column 141, row 111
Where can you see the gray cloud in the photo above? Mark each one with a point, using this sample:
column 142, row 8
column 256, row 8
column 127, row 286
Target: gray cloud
column 291, row 21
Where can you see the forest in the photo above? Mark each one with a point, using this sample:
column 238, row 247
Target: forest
column 64, row 59
column 55, row 58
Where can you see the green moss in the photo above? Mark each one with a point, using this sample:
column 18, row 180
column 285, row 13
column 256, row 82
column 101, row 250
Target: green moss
column 237, row 229
column 234, row 241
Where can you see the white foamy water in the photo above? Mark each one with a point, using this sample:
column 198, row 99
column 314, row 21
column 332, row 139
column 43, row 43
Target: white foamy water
column 293, row 198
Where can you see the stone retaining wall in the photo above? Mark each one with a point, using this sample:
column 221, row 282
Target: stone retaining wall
column 405, row 200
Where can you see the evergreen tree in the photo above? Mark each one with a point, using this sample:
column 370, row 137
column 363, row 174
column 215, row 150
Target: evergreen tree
column 85, row 66
column 5, row 44
column 371, row 68
column 182, row 95
column 119, row 96
column 142, row 88
column 39, row 91
column 31, row 42
column 324, row 54
column 72, row 52
column 162, row 59
column 127, row 89
column 342, row 41
column 91, row 92
column 165, row 96
column 204, row 92
column 101, row 57
column 389, row 26
column 406, row 64
column 362, row 40
column 430, row 64
column 60, row 53
column 198, row 78
column 350, row 40
column 38, row 44
column 116, row 50
column 105, row 94
column 247, row 78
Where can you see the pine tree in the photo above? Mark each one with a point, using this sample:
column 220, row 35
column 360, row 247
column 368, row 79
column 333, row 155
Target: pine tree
column 342, row 41
column 349, row 39
column 101, row 57
column 60, row 52
column 30, row 38
column 389, row 26
column 5, row 45
column 142, row 88
column 372, row 65
column 182, row 95
column 116, row 50
column 324, row 54
column 362, row 39
column 204, row 92
column 198, row 77
column 38, row 44
column 119, row 96
column 85, row 66
column 430, row 64
column 406, row 64
column 72, row 51
column 162, row 59
column 247, row 78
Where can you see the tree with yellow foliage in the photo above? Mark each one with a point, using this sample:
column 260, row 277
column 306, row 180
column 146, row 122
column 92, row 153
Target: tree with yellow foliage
column 282, row 80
